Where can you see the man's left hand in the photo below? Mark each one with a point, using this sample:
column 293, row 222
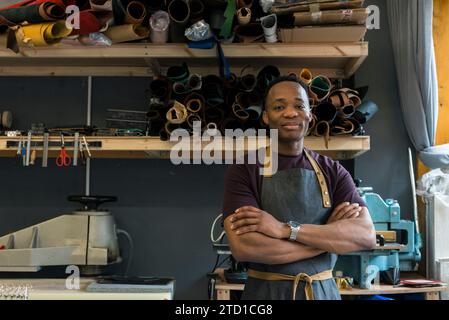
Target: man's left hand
column 250, row 219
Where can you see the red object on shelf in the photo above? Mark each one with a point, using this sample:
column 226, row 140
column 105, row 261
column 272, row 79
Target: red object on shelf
column 2, row 247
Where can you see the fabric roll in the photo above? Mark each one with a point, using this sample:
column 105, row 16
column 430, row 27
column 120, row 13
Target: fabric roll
column 244, row 15
column 36, row 13
column 194, row 102
column 196, row 11
column 312, row 125
column 43, row 34
column 269, row 25
column 177, row 114
column 242, row 99
column 6, row 119
column 266, row 75
column 254, row 112
column 239, row 112
column 178, row 73
column 249, row 33
column 342, row 127
column 194, row 82
column 366, row 111
column 159, row 24
column 248, row 82
column 179, row 12
column 325, row 112
column 135, row 13
column 101, row 5
column 191, row 118
column 346, row 111
column 305, row 76
column 160, row 89
column 127, row 32
column 322, row 129
column 155, row 5
column 89, row 23
column 320, row 88
column 25, row 3
column 244, row 3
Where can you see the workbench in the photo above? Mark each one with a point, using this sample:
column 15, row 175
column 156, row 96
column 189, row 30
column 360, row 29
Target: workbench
column 55, row 289
column 224, row 289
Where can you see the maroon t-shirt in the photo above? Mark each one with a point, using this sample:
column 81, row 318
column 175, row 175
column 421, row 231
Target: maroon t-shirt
column 243, row 182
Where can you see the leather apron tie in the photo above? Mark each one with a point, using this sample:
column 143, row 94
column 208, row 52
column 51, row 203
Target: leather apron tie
column 308, row 289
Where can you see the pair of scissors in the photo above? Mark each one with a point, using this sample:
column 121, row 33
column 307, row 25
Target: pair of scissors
column 63, row 160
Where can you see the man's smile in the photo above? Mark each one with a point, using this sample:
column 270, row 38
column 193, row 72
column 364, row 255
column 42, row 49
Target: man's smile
column 292, row 125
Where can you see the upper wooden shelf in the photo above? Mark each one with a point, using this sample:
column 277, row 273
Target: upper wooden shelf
column 339, row 147
column 336, row 60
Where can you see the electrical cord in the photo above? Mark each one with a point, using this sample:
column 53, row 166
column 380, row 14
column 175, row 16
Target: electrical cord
column 131, row 248
column 220, row 237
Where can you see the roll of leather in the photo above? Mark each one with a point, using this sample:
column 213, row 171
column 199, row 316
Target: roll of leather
column 153, row 115
column 213, row 114
column 25, row 3
column 191, row 118
column 248, row 82
column 101, row 5
column 179, row 12
column 325, row 112
column 346, row 111
column 366, row 111
column 194, row 102
column 320, row 88
column 249, row 33
column 213, row 90
column 242, row 99
column 342, row 127
column 322, row 129
column 194, row 82
column 160, row 88
column 239, row 112
column 178, row 73
column 89, row 23
column 135, row 13
column 196, row 11
column 127, row 32
column 36, row 13
column 339, row 98
column 312, row 125
column 6, row 119
column 255, row 98
column 43, row 34
column 119, row 10
column 243, row 16
column 231, row 82
column 282, row 9
column 254, row 112
column 305, row 76
column 244, row 3
column 266, row 75
column 81, row 4
column 177, row 114
column 155, row 5
column 269, row 25
column 159, row 25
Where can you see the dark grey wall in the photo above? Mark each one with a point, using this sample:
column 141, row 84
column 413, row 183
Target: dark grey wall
column 168, row 209
column 385, row 166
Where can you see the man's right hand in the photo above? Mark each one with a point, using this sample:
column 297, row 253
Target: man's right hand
column 345, row 210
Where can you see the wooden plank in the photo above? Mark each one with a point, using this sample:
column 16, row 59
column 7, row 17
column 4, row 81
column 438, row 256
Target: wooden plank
column 153, row 147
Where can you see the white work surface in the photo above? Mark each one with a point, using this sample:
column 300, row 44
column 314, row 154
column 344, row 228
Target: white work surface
column 55, row 289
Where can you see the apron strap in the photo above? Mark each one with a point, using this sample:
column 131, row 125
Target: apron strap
column 308, row 289
column 321, row 179
column 267, row 173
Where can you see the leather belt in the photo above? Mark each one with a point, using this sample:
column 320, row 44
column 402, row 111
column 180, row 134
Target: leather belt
column 308, row 289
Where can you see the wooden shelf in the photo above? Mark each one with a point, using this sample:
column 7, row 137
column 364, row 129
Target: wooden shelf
column 339, row 148
column 336, row 60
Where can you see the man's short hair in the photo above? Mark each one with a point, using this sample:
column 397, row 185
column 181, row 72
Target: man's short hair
column 289, row 78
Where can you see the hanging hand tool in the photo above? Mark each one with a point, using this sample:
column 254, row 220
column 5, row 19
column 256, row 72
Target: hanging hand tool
column 86, row 145
column 45, row 151
column 24, row 153
column 63, row 160
column 75, row 148
column 27, row 161
column 19, row 150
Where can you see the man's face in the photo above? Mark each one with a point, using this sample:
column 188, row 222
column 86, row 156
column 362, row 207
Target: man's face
column 287, row 109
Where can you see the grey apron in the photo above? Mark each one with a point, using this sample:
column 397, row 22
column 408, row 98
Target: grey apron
column 294, row 194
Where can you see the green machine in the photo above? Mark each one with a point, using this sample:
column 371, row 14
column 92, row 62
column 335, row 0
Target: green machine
column 398, row 247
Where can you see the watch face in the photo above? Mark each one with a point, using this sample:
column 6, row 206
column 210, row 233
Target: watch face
column 293, row 224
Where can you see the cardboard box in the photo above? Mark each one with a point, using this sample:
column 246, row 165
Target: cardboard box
column 344, row 16
column 322, row 34
column 312, row 6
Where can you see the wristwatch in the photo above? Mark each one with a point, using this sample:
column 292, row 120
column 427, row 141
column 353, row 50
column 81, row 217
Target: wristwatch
column 294, row 229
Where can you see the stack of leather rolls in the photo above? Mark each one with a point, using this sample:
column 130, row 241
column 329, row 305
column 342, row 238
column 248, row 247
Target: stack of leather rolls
column 336, row 111
column 43, row 22
column 179, row 98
